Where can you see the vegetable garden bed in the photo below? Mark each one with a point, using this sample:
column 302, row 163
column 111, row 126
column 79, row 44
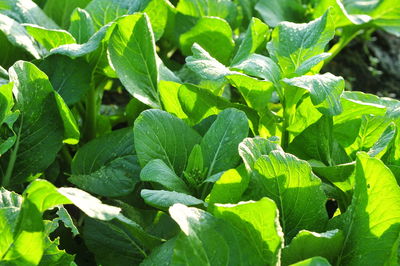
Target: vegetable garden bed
column 198, row 132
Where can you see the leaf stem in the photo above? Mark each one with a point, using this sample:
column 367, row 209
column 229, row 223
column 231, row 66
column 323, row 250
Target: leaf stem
column 13, row 158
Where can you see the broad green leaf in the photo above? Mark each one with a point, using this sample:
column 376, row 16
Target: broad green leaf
column 275, row 11
column 199, row 103
column 251, row 149
column 339, row 13
column 78, row 50
column 160, row 135
column 69, row 77
column 254, row 38
column 325, row 91
column 105, row 11
column 229, row 187
column 161, row 255
column 54, row 256
column 157, row 171
column 202, row 63
column 294, row 46
column 18, row 36
column 203, row 234
column 371, row 128
column 43, row 124
column 169, row 98
column 26, row 11
column 60, row 10
column 163, row 199
column 385, row 14
column 132, row 53
column 111, row 244
column 82, row 26
column 314, row 261
column 258, row 222
column 371, row 224
column 382, row 144
column 306, row 114
column 317, row 142
column 256, row 93
column 308, row 244
column 158, row 12
column 220, row 144
column 213, row 8
column 49, row 38
column 212, row 34
column 260, row 66
column 295, row 189
column 107, row 165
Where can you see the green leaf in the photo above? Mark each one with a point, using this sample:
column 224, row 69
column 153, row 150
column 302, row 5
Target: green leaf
column 260, row 66
column 294, row 46
column 54, row 256
column 371, row 224
column 169, row 98
column 60, row 10
column 18, row 36
column 82, row 26
column 203, row 234
column 111, row 244
column 202, row 63
column 163, row 199
column 107, row 165
column 132, row 53
column 158, row 12
column 274, row 12
column 158, row 172
column 308, row 244
column 229, row 187
column 199, row 103
column 258, row 222
column 43, row 124
column 69, row 77
column 384, row 141
column 251, row 149
column 211, row 33
column 370, row 130
column 49, row 38
column 213, row 8
column 78, row 50
column 257, row 93
column 325, row 91
column 314, row 261
column 64, row 216
column 317, row 142
column 220, row 144
column 160, row 135
column 295, row 189
column 254, row 38
column 26, row 11
column 105, row 11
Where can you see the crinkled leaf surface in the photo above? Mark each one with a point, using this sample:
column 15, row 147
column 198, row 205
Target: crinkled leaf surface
column 295, row 189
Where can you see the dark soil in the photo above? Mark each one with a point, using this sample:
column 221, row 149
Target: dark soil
column 371, row 66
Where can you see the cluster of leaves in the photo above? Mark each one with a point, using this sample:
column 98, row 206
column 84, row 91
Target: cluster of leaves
column 206, row 129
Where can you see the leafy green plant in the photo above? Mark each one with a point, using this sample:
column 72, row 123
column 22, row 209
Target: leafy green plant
column 205, row 129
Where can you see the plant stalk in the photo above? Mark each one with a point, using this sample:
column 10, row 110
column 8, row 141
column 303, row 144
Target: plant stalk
column 13, row 158
column 89, row 131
